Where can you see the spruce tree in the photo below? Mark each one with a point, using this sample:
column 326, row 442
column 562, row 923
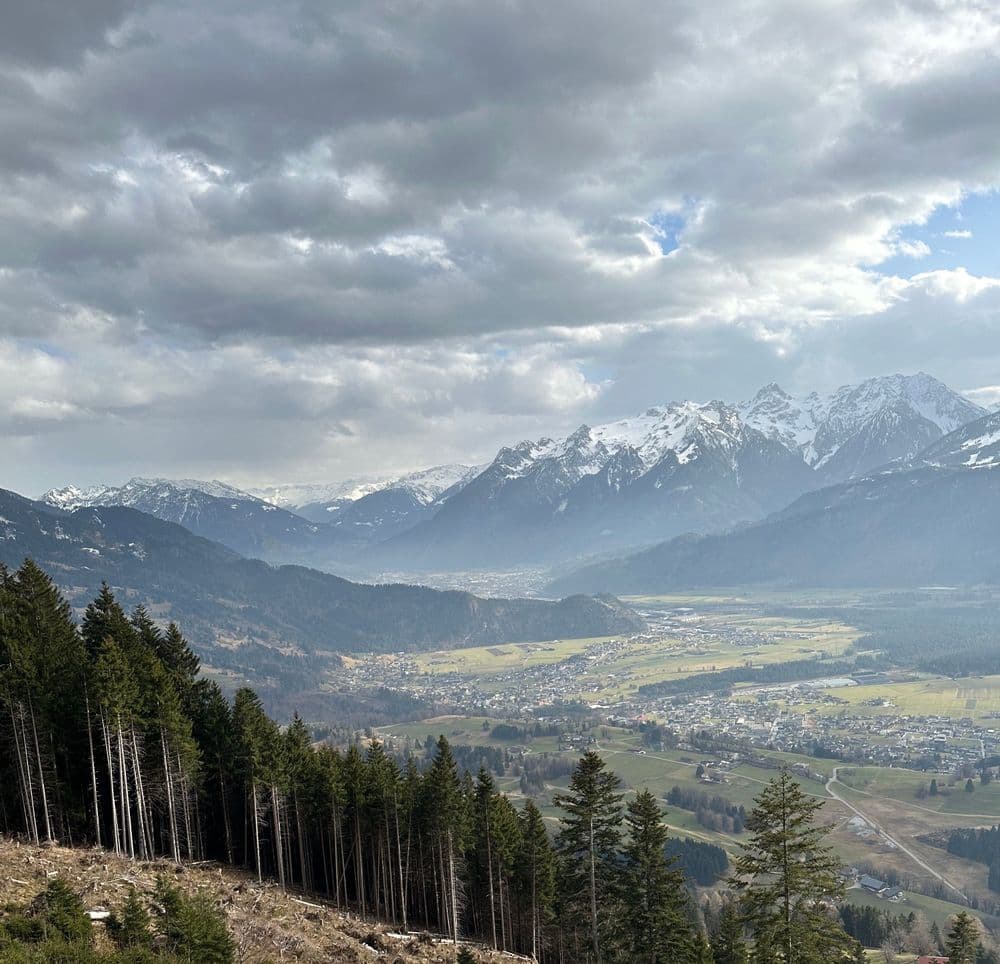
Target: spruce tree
column 963, row 939
column 535, row 881
column 656, row 929
column 729, row 945
column 193, row 928
column 787, row 876
column 448, row 824
column 588, row 845
column 132, row 929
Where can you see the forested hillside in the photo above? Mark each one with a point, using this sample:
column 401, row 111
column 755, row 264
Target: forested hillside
column 113, row 738
column 220, row 596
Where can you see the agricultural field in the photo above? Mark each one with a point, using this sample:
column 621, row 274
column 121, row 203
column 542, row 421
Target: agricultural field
column 977, row 698
column 898, row 784
column 485, row 660
column 613, row 668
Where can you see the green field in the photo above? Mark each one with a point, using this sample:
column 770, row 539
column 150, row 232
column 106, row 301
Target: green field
column 902, row 785
column 486, row 660
column 977, row 698
column 613, row 667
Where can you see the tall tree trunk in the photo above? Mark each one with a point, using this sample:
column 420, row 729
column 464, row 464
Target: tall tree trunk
column 111, row 783
column 359, row 860
column 126, row 798
column 186, row 799
column 41, row 773
column 489, row 875
column 140, row 796
column 275, row 810
column 256, row 832
column 226, row 824
column 534, row 906
column 336, row 856
column 24, row 769
column 453, row 881
column 593, row 895
column 302, row 845
column 399, row 859
column 93, row 768
column 171, row 807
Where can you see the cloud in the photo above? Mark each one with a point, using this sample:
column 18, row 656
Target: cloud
column 411, row 231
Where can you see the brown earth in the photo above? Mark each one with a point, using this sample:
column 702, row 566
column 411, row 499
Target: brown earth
column 266, row 924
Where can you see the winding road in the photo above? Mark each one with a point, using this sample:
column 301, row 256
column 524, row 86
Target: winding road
column 887, row 836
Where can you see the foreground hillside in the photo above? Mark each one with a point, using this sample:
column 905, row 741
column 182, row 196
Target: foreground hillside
column 265, row 924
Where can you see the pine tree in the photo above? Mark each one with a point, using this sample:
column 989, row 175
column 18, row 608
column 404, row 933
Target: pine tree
column 448, row 823
column 701, row 951
column 656, row 929
column 535, row 877
column 132, row 929
column 963, row 939
column 61, row 912
column 588, row 843
column 253, row 738
column 729, row 945
column 193, row 928
column 786, row 875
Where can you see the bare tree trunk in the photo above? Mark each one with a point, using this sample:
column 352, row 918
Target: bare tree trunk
column 336, row 856
column 93, row 769
column 453, row 881
column 275, row 808
column 302, row 846
column 256, row 831
column 24, row 770
column 171, row 810
column 423, row 882
column 111, row 783
column 359, row 861
column 227, row 826
column 399, row 859
column 534, row 908
column 186, row 799
column 140, row 803
column 489, row 875
column 593, row 895
column 126, row 798
column 41, row 774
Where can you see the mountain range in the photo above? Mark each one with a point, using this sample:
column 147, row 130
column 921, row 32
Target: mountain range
column 225, row 601
column 683, row 467
column 679, row 468
column 932, row 519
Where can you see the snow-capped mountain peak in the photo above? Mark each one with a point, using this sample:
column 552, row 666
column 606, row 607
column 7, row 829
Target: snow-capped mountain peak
column 973, row 446
column 138, row 490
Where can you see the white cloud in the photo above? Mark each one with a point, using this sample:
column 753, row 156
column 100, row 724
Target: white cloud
column 453, row 244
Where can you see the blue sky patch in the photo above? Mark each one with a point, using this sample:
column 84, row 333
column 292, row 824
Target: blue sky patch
column 966, row 235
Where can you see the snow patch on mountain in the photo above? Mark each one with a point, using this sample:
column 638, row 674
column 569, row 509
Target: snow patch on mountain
column 138, row 489
column 867, row 414
column 426, row 485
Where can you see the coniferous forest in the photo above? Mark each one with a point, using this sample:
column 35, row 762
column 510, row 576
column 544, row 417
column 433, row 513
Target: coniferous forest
column 112, row 737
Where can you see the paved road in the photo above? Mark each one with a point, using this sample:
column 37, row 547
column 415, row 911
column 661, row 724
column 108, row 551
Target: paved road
column 896, row 843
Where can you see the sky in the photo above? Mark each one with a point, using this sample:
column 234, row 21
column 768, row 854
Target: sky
column 307, row 241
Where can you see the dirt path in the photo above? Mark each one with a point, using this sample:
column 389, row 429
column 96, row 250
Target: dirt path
column 919, row 861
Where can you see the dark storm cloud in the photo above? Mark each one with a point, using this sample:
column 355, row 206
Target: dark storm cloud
column 52, row 33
